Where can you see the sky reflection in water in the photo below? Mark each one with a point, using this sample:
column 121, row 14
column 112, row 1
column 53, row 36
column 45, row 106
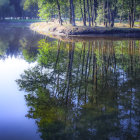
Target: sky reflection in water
column 13, row 123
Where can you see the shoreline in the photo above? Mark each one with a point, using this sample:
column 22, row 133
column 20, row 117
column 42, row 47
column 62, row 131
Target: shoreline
column 68, row 33
column 50, row 29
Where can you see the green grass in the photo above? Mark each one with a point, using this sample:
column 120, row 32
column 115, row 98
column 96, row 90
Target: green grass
column 137, row 23
column 22, row 20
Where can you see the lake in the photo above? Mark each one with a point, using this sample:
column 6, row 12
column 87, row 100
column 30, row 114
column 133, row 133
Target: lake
column 75, row 89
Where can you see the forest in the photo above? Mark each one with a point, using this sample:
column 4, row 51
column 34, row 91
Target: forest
column 15, row 9
column 89, row 12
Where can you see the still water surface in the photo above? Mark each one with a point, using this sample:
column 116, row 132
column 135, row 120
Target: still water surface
column 53, row 89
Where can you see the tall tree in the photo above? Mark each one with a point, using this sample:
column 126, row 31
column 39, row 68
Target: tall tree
column 89, row 20
column 84, row 3
column 132, row 13
column 59, row 12
column 94, row 11
column 17, row 7
column 72, row 13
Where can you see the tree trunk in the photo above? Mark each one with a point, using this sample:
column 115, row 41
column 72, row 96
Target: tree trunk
column 129, row 19
column 91, row 10
column 113, row 14
column 73, row 13
column 120, row 18
column 139, row 20
column 112, row 18
column 88, row 13
column 93, row 14
column 132, row 14
column 134, row 10
column 108, row 12
column 84, row 12
column 59, row 12
column 105, row 14
column 95, row 10
column 70, row 12
column 81, row 11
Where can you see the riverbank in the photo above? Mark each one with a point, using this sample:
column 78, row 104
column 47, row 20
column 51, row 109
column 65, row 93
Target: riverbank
column 54, row 29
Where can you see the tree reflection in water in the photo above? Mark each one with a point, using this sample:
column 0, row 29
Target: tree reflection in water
column 86, row 90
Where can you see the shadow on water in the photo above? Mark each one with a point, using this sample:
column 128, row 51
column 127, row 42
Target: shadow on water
column 85, row 90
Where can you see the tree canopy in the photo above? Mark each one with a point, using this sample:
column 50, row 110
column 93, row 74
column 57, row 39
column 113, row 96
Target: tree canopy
column 90, row 12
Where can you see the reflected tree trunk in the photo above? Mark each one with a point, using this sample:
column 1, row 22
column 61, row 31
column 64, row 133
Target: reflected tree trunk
column 69, row 69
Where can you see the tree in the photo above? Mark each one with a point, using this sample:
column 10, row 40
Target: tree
column 72, row 13
column 5, row 9
column 89, row 20
column 94, row 12
column 84, row 3
column 132, row 4
column 59, row 12
column 89, row 11
column 17, row 7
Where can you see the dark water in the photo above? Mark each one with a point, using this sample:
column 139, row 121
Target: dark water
column 85, row 90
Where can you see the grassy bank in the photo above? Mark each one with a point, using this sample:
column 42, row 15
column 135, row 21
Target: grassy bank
column 55, row 29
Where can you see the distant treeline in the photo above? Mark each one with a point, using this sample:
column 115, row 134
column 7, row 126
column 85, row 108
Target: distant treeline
column 90, row 12
column 15, row 9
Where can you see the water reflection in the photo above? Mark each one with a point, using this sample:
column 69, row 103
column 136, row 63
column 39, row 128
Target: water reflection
column 18, row 43
column 13, row 42
column 85, row 90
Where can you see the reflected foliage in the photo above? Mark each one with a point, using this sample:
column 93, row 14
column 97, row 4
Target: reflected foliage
column 18, row 42
column 85, row 90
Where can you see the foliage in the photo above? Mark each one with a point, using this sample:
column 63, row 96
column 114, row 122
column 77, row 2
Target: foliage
column 88, row 11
